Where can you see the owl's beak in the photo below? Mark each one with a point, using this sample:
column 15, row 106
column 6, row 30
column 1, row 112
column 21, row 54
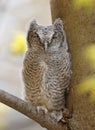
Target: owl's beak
column 46, row 45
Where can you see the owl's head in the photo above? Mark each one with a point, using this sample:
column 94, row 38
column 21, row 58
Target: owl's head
column 49, row 37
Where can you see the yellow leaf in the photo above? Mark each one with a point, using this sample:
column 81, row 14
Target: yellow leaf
column 3, row 109
column 90, row 55
column 87, row 86
column 87, row 4
column 3, row 112
column 18, row 45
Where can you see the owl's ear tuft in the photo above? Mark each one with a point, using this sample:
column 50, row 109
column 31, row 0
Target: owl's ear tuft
column 58, row 24
column 29, row 39
column 32, row 29
column 33, row 25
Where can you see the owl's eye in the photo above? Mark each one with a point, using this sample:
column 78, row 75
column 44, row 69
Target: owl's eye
column 55, row 36
column 35, row 35
column 32, row 34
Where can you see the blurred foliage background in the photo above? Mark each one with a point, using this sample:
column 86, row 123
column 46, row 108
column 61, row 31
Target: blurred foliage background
column 87, row 85
column 15, row 16
column 86, row 4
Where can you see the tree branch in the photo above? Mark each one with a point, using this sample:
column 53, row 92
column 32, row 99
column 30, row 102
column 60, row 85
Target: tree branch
column 30, row 111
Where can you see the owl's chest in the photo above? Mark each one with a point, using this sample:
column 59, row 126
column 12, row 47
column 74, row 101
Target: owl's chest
column 53, row 71
column 54, row 60
column 52, row 65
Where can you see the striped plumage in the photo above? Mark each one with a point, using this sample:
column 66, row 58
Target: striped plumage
column 47, row 69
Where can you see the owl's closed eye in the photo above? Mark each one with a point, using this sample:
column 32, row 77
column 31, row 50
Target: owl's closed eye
column 48, row 37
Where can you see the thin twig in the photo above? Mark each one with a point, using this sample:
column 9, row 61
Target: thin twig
column 30, row 111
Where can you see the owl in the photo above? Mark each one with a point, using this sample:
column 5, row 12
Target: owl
column 47, row 67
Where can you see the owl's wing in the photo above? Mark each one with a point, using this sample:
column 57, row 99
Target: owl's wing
column 32, row 76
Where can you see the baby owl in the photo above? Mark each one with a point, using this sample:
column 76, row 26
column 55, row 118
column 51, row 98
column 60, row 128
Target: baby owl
column 47, row 66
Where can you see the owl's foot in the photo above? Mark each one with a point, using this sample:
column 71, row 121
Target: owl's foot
column 62, row 116
column 56, row 115
column 66, row 115
column 42, row 109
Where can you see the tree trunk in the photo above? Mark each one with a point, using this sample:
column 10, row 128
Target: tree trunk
column 79, row 25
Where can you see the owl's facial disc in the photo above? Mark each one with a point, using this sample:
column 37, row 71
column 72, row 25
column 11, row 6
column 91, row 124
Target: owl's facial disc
column 45, row 34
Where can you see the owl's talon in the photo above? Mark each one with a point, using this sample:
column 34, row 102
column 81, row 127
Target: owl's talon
column 66, row 115
column 57, row 115
column 64, row 120
column 42, row 109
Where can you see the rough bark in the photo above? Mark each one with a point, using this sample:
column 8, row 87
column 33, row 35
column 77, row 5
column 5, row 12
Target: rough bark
column 80, row 29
